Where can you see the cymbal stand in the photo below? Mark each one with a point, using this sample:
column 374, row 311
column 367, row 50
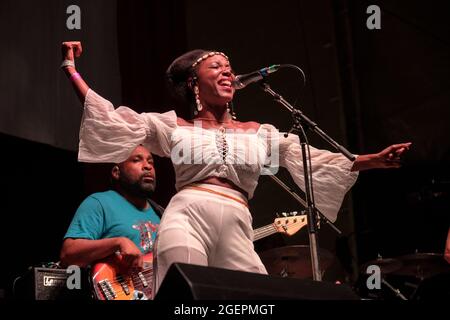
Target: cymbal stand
column 396, row 291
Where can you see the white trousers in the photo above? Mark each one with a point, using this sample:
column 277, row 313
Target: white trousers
column 208, row 229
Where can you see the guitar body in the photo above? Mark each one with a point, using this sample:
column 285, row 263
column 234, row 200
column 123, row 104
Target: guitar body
column 111, row 281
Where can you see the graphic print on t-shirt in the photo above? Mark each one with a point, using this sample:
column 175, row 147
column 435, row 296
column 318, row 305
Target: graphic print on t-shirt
column 146, row 231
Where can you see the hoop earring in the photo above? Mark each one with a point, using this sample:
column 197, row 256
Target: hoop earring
column 197, row 101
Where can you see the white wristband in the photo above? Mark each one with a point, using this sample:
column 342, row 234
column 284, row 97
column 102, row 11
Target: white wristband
column 68, row 63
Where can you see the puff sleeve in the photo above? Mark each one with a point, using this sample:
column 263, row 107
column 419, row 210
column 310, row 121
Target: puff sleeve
column 110, row 135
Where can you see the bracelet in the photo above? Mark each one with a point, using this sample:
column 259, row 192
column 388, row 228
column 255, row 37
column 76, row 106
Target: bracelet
column 67, row 63
column 74, row 76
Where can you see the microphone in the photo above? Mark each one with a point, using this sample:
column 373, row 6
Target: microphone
column 243, row 80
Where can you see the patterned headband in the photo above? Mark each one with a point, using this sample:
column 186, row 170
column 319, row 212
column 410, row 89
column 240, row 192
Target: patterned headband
column 206, row 56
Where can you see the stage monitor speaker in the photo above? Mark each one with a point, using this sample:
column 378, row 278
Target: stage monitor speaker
column 191, row 282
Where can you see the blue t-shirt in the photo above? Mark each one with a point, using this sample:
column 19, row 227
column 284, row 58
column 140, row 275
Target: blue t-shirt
column 108, row 215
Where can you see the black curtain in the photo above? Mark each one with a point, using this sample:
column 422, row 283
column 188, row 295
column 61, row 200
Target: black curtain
column 396, row 89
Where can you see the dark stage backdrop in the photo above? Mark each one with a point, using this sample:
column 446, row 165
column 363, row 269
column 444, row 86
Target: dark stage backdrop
column 36, row 101
column 398, row 78
column 366, row 88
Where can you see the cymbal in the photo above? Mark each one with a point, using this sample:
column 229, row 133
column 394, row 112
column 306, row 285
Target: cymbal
column 423, row 265
column 294, row 261
column 386, row 266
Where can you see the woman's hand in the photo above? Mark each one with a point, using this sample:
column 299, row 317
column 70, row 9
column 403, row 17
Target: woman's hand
column 388, row 158
column 71, row 50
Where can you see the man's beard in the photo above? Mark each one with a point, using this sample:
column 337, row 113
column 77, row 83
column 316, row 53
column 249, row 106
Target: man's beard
column 137, row 188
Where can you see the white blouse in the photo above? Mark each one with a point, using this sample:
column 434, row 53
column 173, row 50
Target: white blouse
column 110, row 135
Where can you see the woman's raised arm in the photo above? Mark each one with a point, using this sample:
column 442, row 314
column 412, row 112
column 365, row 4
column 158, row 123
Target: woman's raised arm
column 70, row 51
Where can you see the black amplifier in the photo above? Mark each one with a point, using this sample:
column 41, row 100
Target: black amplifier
column 41, row 283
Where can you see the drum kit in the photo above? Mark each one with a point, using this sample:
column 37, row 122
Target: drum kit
column 417, row 276
column 418, row 265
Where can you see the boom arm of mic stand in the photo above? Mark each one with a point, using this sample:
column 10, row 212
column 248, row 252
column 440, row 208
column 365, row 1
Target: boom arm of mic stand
column 308, row 122
column 303, row 202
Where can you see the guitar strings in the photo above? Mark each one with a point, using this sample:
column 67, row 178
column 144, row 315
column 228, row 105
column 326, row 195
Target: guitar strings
column 120, row 291
column 267, row 230
column 116, row 280
column 273, row 226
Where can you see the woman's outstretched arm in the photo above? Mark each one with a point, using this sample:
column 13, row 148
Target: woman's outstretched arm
column 387, row 158
column 70, row 51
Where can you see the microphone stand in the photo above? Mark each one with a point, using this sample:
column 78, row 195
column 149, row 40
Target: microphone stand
column 304, row 204
column 301, row 120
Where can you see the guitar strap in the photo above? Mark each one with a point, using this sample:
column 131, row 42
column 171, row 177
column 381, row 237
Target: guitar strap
column 158, row 209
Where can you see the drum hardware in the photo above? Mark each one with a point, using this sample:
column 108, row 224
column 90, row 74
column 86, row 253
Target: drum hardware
column 394, row 290
column 293, row 261
column 417, row 276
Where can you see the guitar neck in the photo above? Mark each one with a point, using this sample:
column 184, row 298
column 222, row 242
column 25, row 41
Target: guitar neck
column 264, row 231
column 287, row 225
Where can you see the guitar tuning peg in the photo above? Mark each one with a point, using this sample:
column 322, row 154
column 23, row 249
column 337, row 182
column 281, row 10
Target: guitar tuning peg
column 284, row 214
column 294, row 213
column 277, row 214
